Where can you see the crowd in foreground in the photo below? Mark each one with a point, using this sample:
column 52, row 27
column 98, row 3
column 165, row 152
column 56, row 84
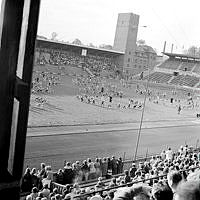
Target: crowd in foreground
column 166, row 176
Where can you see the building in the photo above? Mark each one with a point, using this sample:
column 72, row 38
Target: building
column 125, row 39
column 136, row 58
column 144, row 59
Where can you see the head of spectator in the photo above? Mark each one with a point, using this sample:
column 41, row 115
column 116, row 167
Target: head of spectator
column 174, row 178
column 67, row 166
column 87, row 189
column 194, row 176
column 162, row 192
column 27, row 171
column 189, row 190
column 42, row 165
column 40, row 194
column 33, row 171
column 136, row 192
column 33, row 195
column 67, row 189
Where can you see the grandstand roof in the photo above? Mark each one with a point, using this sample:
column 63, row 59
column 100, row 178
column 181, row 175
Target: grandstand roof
column 46, row 43
column 181, row 55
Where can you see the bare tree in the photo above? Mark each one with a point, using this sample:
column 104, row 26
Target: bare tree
column 54, row 36
column 141, row 42
column 193, row 51
column 77, row 41
column 105, row 46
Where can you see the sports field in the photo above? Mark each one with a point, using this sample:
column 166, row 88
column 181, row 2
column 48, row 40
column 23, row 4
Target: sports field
column 64, row 128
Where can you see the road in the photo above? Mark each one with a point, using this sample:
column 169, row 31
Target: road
column 54, row 148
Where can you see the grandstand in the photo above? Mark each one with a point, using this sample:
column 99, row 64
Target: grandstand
column 178, row 70
column 171, row 64
column 159, row 77
column 65, row 54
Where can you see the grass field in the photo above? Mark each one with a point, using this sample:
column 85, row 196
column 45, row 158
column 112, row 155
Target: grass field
column 63, row 107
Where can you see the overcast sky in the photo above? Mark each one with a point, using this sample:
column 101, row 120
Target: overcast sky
column 94, row 21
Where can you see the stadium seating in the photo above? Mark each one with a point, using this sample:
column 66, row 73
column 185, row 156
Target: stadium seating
column 197, row 69
column 190, row 81
column 185, row 80
column 159, row 77
column 187, row 66
column 59, row 57
column 177, row 80
column 150, row 171
column 170, row 64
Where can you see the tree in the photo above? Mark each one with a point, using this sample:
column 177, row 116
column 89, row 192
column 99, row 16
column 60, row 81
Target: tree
column 141, row 42
column 77, row 41
column 54, row 36
column 193, row 51
column 91, row 45
column 105, row 46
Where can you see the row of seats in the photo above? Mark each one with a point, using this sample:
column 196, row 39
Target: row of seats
column 170, row 64
column 187, row 66
column 159, row 77
column 184, row 80
column 179, row 65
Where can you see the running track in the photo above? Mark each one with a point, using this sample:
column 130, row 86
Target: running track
column 54, row 149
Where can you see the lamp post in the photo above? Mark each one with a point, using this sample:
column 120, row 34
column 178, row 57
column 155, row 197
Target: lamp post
column 143, row 109
column 142, row 115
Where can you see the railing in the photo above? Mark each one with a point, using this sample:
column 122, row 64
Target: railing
column 128, row 184
column 126, row 165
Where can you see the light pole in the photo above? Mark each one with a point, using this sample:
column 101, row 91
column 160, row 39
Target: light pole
column 142, row 115
column 143, row 109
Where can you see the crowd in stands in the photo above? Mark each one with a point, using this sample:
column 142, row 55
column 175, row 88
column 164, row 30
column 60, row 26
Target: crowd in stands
column 43, row 81
column 170, row 175
column 60, row 57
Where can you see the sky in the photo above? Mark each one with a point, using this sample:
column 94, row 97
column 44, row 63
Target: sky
column 94, row 21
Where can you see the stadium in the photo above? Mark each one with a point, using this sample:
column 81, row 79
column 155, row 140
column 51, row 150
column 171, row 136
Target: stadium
column 106, row 118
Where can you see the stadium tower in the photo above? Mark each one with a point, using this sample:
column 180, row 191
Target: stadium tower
column 125, row 40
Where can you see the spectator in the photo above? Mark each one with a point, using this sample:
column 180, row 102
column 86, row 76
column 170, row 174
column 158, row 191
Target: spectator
column 138, row 191
column 127, row 178
column 60, row 176
column 33, row 195
column 169, row 154
column 97, row 168
column 34, row 178
column 68, row 174
column 42, row 172
column 92, row 170
column 132, row 170
column 45, row 191
column 113, row 183
column 104, row 167
column 66, row 190
column 174, row 178
column 26, row 185
column 119, row 166
column 114, row 165
column 189, row 190
column 85, row 171
column 162, row 191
